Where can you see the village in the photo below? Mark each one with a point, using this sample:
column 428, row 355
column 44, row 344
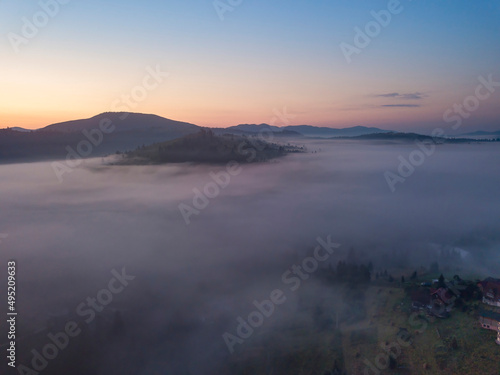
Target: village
column 439, row 297
column 491, row 296
column 404, row 321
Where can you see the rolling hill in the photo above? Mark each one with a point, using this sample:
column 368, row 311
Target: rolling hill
column 129, row 130
column 208, row 147
column 308, row 130
column 124, row 122
column 481, row 134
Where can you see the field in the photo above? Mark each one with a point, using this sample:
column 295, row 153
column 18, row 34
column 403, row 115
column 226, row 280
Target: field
column 418, row 343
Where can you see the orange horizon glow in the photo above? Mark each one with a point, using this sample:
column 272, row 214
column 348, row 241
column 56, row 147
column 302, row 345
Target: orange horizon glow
column 44, row 95
column 220, row 74
column 399, row 119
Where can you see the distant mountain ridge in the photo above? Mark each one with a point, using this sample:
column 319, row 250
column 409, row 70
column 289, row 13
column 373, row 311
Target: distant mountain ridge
column 412, row 137
column 309, row 130
column 129, row 121
column 133, row 130
column 481, row 133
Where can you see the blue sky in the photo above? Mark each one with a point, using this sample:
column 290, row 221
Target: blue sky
column 264, row 55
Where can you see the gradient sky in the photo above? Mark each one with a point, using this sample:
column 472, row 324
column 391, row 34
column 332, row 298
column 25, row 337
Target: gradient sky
column 264, row 56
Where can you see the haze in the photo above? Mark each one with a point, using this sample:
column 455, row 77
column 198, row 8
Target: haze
column 193, row 281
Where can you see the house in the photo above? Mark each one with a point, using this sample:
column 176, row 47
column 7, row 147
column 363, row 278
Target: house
column 490, row 320
column 490, row 288
column 420, row 297
column 443, row 294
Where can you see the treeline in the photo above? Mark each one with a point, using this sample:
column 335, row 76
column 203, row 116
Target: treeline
column 206, row 147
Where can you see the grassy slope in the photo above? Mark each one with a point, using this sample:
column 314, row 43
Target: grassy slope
column 388, row 309
column 304, row 350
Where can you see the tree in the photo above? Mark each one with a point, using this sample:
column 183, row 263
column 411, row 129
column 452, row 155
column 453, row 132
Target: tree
column 365, row 274
column 441, row 283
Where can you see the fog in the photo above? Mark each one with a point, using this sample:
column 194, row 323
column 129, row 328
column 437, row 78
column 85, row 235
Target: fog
column 192, row 281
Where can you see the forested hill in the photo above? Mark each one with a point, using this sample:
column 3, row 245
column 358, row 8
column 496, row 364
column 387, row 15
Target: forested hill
column 206, row 147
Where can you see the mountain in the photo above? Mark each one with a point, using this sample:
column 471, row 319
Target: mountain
column 314, row 131
column 306, row 130
column 410, row 137
column 22, row 130
column 253, row 128
column 396, row 136
column 129, row 130
column 208, row 147
column 481, row 133
column 124, row 121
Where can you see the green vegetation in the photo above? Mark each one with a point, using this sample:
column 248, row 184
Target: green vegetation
column 372, row 320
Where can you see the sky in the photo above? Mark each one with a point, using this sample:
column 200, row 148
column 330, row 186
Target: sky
column 220, row 65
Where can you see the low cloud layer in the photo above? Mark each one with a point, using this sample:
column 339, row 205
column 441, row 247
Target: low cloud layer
column 193, row 281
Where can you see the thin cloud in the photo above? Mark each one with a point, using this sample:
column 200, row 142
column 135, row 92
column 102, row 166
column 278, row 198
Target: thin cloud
column 401, row 105
column 397, row 95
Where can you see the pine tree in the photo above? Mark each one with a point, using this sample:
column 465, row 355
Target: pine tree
column 441, row 283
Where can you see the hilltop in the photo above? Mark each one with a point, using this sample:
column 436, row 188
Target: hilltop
column 133, row 130
column 207, row 147
column 129, row 130
column 123, row 122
